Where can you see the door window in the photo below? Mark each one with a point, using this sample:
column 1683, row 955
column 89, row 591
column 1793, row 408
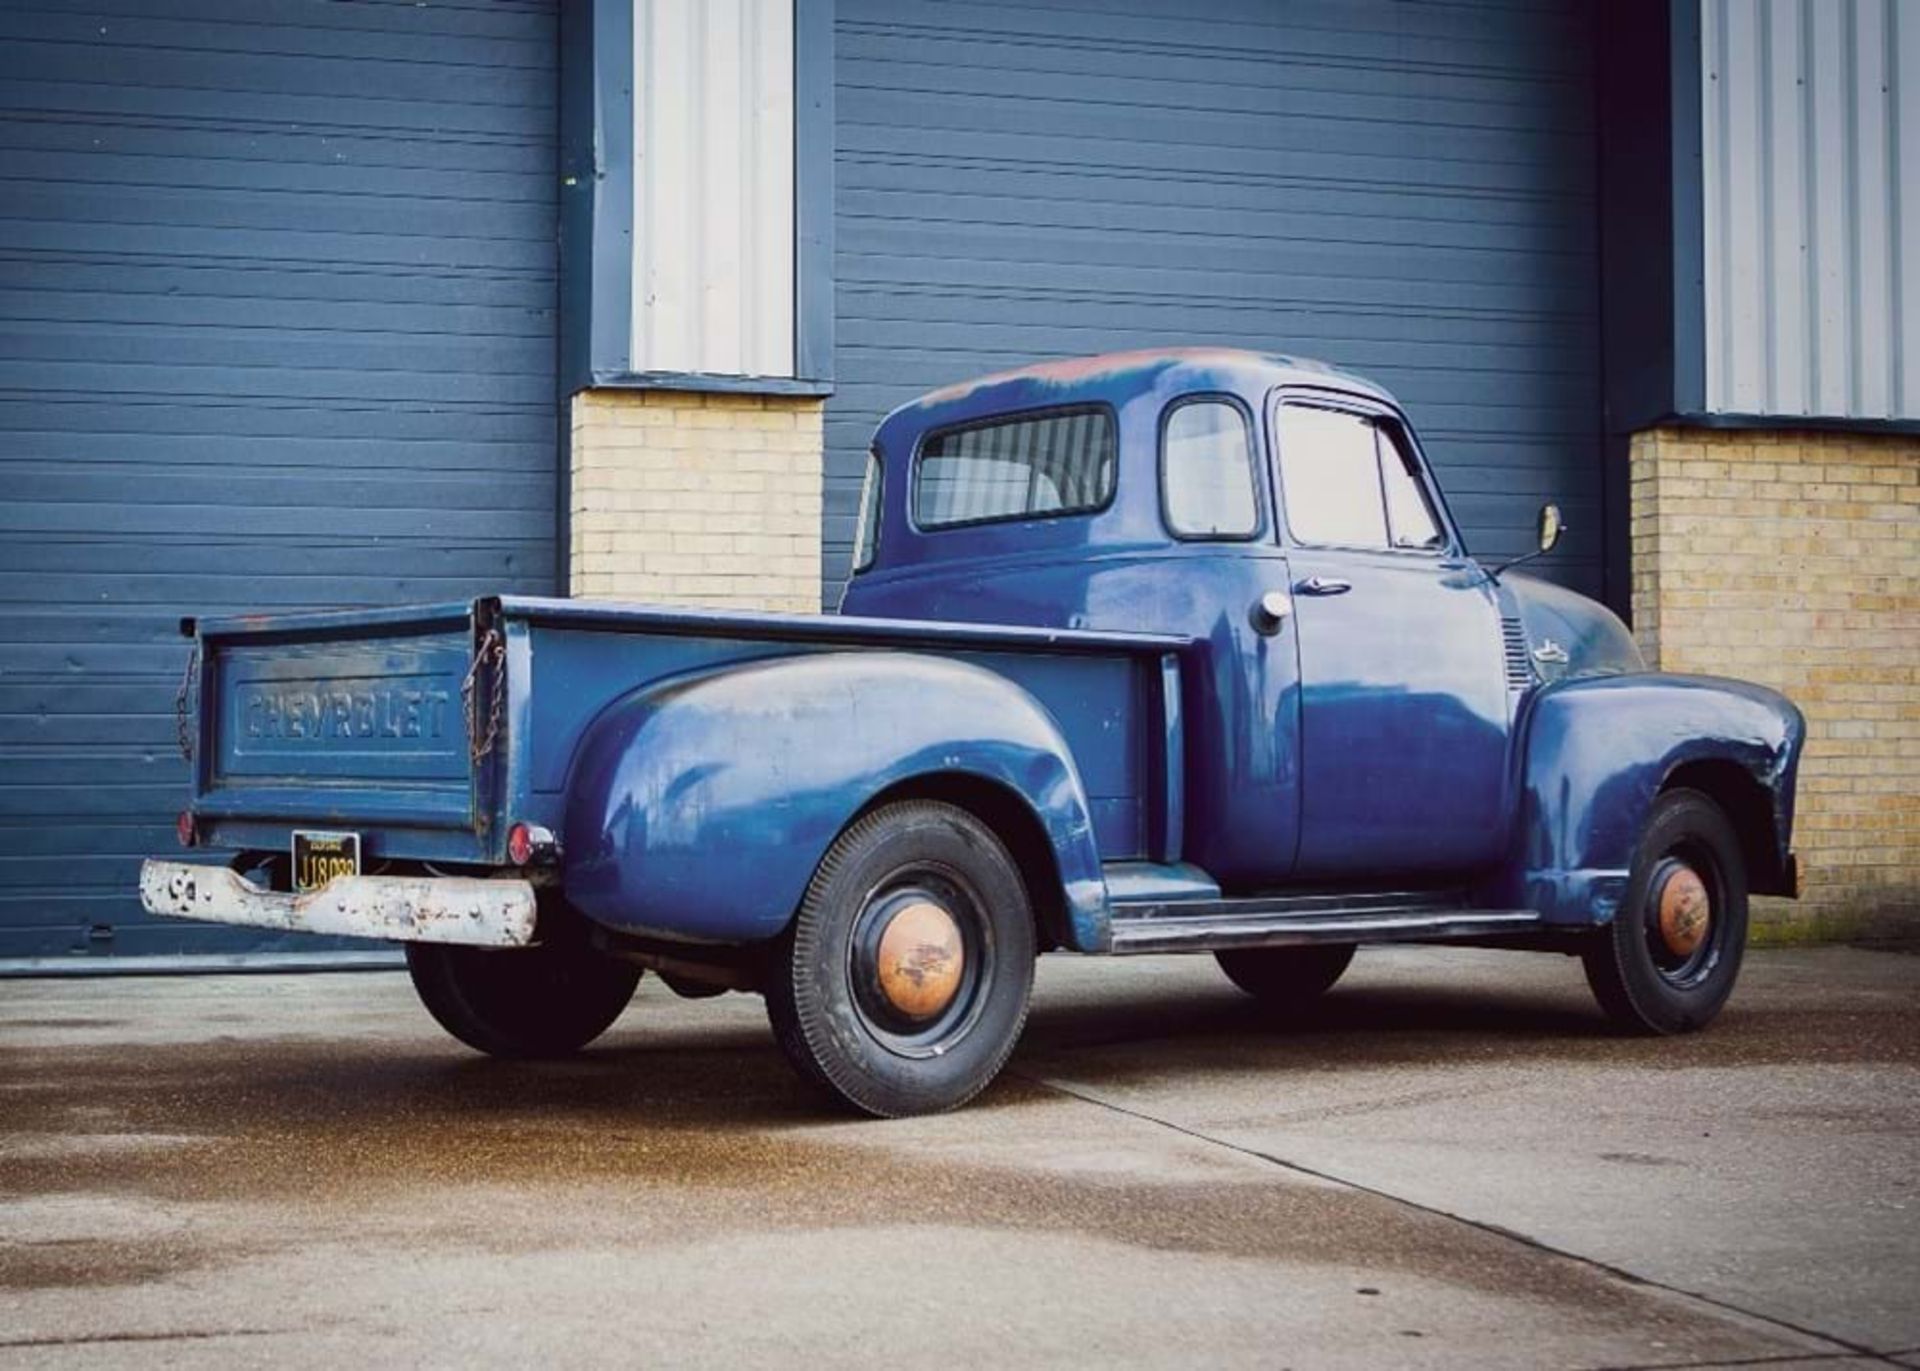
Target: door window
column 1330, row 477
column 1349, row 481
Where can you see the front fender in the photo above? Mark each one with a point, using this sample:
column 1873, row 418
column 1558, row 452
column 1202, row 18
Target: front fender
column 698, row 808
column 1598, row 749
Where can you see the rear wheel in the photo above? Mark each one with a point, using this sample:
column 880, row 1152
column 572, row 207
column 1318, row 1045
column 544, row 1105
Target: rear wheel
column 542, row 1001
column 902, row 984
column 1286, row 977
column 1668, row 961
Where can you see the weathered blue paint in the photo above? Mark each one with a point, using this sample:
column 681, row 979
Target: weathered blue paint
column 1592, row 639
column 1074, row 725
column 699, row 806
column 1598, row 750
column 1432, row 727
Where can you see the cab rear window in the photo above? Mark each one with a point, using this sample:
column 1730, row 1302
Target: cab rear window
column 1031, row 467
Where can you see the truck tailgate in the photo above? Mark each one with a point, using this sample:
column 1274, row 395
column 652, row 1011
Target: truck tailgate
column 342, row 720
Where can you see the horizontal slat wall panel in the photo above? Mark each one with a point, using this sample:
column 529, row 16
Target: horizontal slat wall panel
column 277, row 293
column 1402, row 188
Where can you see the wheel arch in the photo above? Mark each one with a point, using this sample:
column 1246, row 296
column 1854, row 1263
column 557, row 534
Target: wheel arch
column 1749, row 807
column 1011, row 819
column 1596, row 753
column 698, row 808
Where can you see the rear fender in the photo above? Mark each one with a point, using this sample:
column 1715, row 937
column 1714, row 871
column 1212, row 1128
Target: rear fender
column 1599, row 750
column 698, row 808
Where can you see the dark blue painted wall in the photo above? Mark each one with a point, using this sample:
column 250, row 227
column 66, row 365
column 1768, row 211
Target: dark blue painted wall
column 1403, row 188
column 277, row 290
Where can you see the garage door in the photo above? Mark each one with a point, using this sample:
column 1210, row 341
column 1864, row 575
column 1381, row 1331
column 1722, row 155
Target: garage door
column 276, row 329
column 1400, row 188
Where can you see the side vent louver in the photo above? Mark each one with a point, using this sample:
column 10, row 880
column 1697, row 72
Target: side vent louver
column 1519, row 668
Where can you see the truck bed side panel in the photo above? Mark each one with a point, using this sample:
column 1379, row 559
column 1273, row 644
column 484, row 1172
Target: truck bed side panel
column 1098, row 702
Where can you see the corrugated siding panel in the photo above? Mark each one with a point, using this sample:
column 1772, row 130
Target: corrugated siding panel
column 713, row 187
column 1810, row 159
column 1406, row 189
column 277, row 291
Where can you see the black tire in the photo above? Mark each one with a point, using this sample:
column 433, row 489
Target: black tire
column 544, row 1001
column 1286, row 977
column 827, row 1002
column 1642, row 982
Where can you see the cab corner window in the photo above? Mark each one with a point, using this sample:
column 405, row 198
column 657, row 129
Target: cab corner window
column 1206, row 471
column 1030, row 467
column 1348, row 480
column 866, row 528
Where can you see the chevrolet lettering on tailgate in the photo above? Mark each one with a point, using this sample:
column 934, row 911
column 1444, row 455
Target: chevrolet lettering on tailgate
column 324, row 712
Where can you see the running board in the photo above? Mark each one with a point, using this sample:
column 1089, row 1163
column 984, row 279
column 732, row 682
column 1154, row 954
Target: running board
column 1280, row 920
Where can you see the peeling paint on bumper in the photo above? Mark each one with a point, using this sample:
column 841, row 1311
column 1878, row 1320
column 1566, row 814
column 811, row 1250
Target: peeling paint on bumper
column 421, row 909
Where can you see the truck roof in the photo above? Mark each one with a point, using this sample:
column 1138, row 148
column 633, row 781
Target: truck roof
column 1113, row 378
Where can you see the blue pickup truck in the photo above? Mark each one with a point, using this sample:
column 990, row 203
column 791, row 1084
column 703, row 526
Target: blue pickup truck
column 1147, row 653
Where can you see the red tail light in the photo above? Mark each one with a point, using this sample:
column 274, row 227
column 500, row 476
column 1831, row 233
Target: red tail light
column 183, row 828
column 530, row 843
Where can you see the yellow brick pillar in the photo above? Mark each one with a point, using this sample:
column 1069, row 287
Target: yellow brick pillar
column 1793, row 559
column 684, row 498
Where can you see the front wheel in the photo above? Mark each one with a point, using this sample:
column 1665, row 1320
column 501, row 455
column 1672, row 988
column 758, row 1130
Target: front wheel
column 902, row 984
column 543, row 1001
column 1668, row 961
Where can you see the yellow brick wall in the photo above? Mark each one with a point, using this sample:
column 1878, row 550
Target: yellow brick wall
column 1793, row 559
column 696, row 499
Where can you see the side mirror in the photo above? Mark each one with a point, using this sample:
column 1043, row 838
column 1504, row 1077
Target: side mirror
column 1550, row 526
column 1546, row 536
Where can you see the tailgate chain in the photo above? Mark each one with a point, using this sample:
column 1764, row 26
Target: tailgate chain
column 182, row 697
column 492, row 652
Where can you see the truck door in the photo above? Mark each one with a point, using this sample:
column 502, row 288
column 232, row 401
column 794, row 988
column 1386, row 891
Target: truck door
column 1402, row 673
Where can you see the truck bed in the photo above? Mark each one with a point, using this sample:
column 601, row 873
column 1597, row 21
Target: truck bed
column 427, row 729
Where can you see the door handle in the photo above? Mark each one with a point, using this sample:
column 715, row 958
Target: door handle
column 1323, row 585
column 1269, row 612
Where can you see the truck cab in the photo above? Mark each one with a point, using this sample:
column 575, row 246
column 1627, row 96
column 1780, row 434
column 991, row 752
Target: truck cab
column 1361, row 676
column 1174, row 651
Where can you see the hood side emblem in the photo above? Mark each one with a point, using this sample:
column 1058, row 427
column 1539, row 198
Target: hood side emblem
column 1550, row 653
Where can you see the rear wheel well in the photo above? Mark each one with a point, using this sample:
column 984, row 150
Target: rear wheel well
column 1748, row 807
column 1013, row 822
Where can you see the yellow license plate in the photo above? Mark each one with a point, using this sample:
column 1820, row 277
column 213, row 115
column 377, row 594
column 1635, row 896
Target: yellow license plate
column 320, row 857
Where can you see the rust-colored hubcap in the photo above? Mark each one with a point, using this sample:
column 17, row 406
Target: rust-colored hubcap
column 921, row 960
column 1686, row 912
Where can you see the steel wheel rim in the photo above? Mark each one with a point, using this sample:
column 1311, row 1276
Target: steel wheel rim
column 1687, row 872
column 880, row 1018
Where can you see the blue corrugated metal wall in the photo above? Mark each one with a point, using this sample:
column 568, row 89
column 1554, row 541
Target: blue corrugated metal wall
column 277, row 287
column 1407, row 189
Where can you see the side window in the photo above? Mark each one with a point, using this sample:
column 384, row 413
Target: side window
column 866, row 528
column 1057, row 463
column 1349, row 480
column 1410, row 519
column 1330, row 477
column 1206, row 471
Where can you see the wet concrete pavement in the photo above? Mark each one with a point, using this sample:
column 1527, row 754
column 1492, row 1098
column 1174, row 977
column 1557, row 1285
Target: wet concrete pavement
column 1452, row 1163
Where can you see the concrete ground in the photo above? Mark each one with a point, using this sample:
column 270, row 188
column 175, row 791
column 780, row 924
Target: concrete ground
column 1452, row 1163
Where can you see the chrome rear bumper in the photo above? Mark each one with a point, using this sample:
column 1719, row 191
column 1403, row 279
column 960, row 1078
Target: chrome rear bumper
column 419, row 909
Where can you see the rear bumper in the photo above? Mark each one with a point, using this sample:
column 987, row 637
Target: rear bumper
column 418, row 909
